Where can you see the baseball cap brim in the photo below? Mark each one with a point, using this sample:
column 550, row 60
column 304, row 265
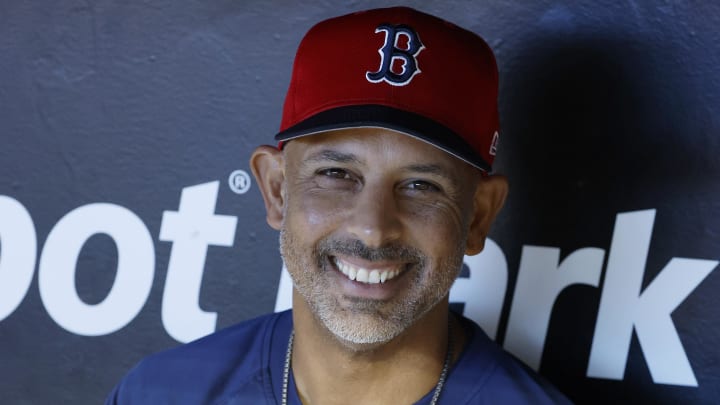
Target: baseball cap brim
column 380, row 116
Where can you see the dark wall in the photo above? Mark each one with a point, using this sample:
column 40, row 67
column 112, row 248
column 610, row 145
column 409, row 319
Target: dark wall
column 607, row 247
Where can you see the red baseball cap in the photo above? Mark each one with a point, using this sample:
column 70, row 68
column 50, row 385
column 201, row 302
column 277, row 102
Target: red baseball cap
column 400, row 69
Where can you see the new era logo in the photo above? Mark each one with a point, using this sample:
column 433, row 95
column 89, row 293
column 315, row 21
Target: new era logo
column 494, row 143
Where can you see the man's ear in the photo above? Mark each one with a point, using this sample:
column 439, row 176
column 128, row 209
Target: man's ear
column 267, row 164
column 489, row 197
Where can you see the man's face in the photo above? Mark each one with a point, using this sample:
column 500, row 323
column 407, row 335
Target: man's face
column 374, row 228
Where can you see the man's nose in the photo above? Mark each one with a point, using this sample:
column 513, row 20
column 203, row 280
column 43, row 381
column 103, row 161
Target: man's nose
column 375, row 216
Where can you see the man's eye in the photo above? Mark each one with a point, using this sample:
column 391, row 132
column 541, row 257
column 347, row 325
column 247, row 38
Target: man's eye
column 335, row 173
column 420, row 185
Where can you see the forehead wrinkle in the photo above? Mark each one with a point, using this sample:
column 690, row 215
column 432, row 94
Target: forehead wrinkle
column 333, row 156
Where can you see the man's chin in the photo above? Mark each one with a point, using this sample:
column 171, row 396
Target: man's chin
column 361, row 332
column 359, row 344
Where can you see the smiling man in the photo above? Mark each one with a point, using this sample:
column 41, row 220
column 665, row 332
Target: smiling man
column 379, row 186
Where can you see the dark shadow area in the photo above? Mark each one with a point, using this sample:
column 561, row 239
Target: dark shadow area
column 594, row 126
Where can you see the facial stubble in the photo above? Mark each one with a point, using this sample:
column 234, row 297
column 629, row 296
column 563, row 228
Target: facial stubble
column 361, row 321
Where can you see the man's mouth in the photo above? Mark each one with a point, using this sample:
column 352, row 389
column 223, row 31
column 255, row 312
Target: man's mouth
column 367, row 276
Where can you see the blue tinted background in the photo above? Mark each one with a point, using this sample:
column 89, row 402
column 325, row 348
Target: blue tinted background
column 606, row 107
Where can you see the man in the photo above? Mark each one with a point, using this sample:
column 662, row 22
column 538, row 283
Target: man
column 379, row 186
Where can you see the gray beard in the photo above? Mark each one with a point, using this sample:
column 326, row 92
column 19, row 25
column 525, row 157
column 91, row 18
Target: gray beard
column 361, row 321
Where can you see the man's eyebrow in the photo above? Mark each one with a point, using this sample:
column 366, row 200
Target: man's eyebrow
column 434, row 169
column 429, row 169
column 333, row 156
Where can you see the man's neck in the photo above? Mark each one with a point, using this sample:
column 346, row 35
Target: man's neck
column 402, row 371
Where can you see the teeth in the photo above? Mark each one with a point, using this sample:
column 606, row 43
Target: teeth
column 363, row 275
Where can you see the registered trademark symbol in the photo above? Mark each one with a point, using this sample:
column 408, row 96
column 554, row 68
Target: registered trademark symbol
column 239, row 182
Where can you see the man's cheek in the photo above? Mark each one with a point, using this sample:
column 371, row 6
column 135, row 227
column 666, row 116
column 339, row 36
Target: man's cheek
column 435, row 214
column 320, row 212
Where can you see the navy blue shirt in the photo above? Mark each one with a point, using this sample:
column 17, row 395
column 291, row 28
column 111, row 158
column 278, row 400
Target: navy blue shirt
column 243, row 364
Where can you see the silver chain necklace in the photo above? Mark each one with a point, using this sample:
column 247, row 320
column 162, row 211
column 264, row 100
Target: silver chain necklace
column 438, row 386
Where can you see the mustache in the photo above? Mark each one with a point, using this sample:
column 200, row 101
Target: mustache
column 356, row 248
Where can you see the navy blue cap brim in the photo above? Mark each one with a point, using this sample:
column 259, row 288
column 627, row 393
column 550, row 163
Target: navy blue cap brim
column 379, row 116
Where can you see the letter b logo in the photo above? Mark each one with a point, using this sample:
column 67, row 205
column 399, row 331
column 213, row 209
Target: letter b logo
column 398, row 55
